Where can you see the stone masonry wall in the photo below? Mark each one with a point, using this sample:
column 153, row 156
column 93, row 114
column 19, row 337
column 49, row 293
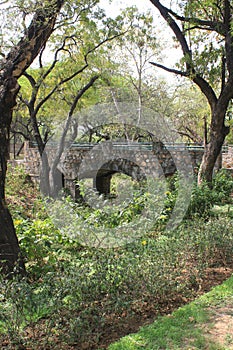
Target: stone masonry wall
column 106, row 161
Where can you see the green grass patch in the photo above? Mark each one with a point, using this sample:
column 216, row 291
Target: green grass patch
column 183, row 328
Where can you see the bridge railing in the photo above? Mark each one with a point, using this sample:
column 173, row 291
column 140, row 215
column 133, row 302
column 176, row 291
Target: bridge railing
column 139, row 145
column 149, row 146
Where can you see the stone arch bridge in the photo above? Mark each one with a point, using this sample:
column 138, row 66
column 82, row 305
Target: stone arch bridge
column 101, row 161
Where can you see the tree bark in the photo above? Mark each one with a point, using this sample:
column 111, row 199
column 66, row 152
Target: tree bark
column 218, row 132
column 10, row 258
column 11, row 68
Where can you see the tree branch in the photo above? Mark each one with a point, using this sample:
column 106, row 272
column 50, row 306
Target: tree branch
column 178, row 33
column 190, row 71
column 229, row 37
column 206, row 89
column 170, row 70
column 205, row 24
column 42, row 102
column 68, row 121
column 23, row 54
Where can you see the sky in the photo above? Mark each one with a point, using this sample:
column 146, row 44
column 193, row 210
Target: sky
column 117, row 4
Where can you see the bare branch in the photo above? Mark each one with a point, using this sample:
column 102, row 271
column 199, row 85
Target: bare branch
column 17, row 132
column 190, row 71
column 186, row 134
column 42, row 102
column 170, row 70
column 177, row 31
column 196, row 27
column 74, row 17
column 107, row 39
column 229, row 38
column 40, row 56
column 81, row 93
column 72, row 76
column 206, row 89
column 30, row 79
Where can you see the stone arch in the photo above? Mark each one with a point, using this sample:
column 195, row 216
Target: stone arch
column 102, row 181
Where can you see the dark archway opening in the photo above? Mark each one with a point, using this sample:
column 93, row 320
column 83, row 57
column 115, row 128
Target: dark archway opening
column 102, row 183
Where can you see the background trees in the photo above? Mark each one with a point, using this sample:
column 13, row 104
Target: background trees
column 129, row 77
column 190, row 113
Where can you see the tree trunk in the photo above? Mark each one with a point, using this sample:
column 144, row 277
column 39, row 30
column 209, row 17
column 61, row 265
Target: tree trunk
column 10, row 258
column 218, row 132
column 218, row 102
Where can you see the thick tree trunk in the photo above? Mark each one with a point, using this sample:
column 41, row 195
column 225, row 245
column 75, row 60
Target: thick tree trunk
column 218, row 132
column 10, row 258
column 218, row 102
column 211, row 153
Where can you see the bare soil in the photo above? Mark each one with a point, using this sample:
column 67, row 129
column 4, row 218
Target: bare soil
column 220, row 329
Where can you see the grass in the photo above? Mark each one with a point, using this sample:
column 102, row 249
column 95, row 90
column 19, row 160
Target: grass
column 183, row 329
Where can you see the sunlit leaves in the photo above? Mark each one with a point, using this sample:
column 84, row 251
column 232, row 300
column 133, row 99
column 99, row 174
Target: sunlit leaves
column 205, row 9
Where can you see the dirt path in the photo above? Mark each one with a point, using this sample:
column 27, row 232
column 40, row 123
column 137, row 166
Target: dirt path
column 220, row 329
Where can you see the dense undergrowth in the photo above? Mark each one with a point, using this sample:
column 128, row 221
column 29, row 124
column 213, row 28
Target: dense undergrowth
column 74, row 294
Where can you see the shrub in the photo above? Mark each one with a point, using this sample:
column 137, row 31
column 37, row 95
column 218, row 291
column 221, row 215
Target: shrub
column 80, row 290
column 223, row 186
column 204, row 197
column 38, row 239
column 22, row 195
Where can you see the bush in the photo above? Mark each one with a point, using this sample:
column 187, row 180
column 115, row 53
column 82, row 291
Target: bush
column 202, row 200
column 38, row 240
column 73, row 292
column 22, row 195
column 204, row 197
column 223, row 186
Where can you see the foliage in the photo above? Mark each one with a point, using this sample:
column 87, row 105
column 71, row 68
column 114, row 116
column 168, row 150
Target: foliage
column 72, row 292
column 223, row 185
column 19, row 183
column 36, row 240
column 75, row 289
column 74, row 54
column 203, row 197
column 205, row 38
column 190, row 110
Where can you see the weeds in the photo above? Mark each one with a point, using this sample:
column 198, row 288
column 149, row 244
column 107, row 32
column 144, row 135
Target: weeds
column 72, row 293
